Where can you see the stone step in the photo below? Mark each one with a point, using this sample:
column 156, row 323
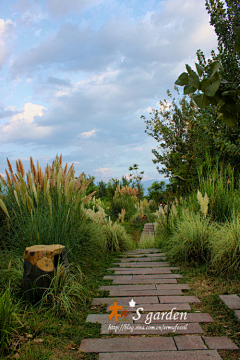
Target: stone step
column 142, row 255
column 126, row 300
column 176, row 317
column 164, row 355
column 138, row 329
column 143, row 264
column 155, row 307
column 146, row 281
column 137, row 343
column 134, row 293
column 141, row 259
column 143, row 271
column 178, row 299
column 231, row 301
column 145, row 287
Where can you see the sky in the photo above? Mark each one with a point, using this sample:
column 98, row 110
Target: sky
column 77, row 75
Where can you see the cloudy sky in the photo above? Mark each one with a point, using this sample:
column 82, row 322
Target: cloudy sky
column 76, row 76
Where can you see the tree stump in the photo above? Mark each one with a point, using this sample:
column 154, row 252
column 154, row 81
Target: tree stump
column 40, row 265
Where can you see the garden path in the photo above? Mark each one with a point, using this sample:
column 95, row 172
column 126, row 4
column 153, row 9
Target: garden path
column 143, row 279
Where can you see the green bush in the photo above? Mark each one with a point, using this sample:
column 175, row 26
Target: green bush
column 226, row 247
column 117, row 237
column 191, row 240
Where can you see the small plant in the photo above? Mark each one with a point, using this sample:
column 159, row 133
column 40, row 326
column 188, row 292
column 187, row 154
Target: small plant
column 117, row 237
column 8, row 318
column 65, row 292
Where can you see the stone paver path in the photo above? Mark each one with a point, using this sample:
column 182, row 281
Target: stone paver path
column 151, row 303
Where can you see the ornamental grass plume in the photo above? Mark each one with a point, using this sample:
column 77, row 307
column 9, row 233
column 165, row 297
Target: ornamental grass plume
column 203, row 201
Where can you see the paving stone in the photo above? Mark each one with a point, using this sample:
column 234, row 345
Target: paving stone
column 145, row 292
column 189, row 343
column 156, row 307
column 143, row 329
column 141, row 259
column 220, row 343
column 146, row 281
column 158, row 276
column 143, row 264
column 173, row 287
column 179, row 317
column 137, row 343
column 142, row 251
column 237, row 314
column 112, row 277
column 142, row 271
column 126, row 300
column 163, row 355
column 178, row 299
column 104, row 319
column 127, row 287
column 143, row 255
column 232, row 301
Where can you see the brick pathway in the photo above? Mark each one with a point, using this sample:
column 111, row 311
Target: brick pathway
column 143, row 279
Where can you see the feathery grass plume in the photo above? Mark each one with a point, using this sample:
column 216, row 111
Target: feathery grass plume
column 121, row 216
column 203, row 202
column 2, row 180
column 65, row 169
column 3, row 206
column 69, row 190
column 9, row 166
column 17, row 199
column 9, row 183
column 21, row 168
column 87, row 198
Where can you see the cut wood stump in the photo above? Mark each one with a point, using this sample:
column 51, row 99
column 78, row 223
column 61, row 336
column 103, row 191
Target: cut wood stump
column 40, row 265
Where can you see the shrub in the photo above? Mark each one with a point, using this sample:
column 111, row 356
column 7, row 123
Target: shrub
column 117, row 237
column 191, row 240
column 226, row 247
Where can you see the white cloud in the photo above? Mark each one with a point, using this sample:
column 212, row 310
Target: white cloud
column 6, row 33
column 88, row 134
column 22, row 127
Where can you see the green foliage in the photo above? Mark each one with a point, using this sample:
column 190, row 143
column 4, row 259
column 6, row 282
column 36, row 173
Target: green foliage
column 135, row 179
column 155, row 191
column 117, row 237
column 226, row 247
column 182, row 140
column 191, row 240
column 8, row 318
column 217, row 83
column 65, row 292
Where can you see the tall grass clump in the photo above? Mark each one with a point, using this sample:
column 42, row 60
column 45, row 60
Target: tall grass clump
column 41, row 208
column 142, row 208
column 65, row 292
column 8, row 318
column 191, row 241
column 218, row 183
column 166, row 219
column 147, row 242
column 226, row 247
column 124, row 198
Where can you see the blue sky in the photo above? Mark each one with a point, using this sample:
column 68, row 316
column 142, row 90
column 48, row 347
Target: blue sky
column 77, row 75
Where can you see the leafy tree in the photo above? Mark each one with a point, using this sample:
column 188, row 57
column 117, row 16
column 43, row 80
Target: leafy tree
column 102, row 189
column 136, row 178
column 155, row 191
column 182, row 140
column 217, row 82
